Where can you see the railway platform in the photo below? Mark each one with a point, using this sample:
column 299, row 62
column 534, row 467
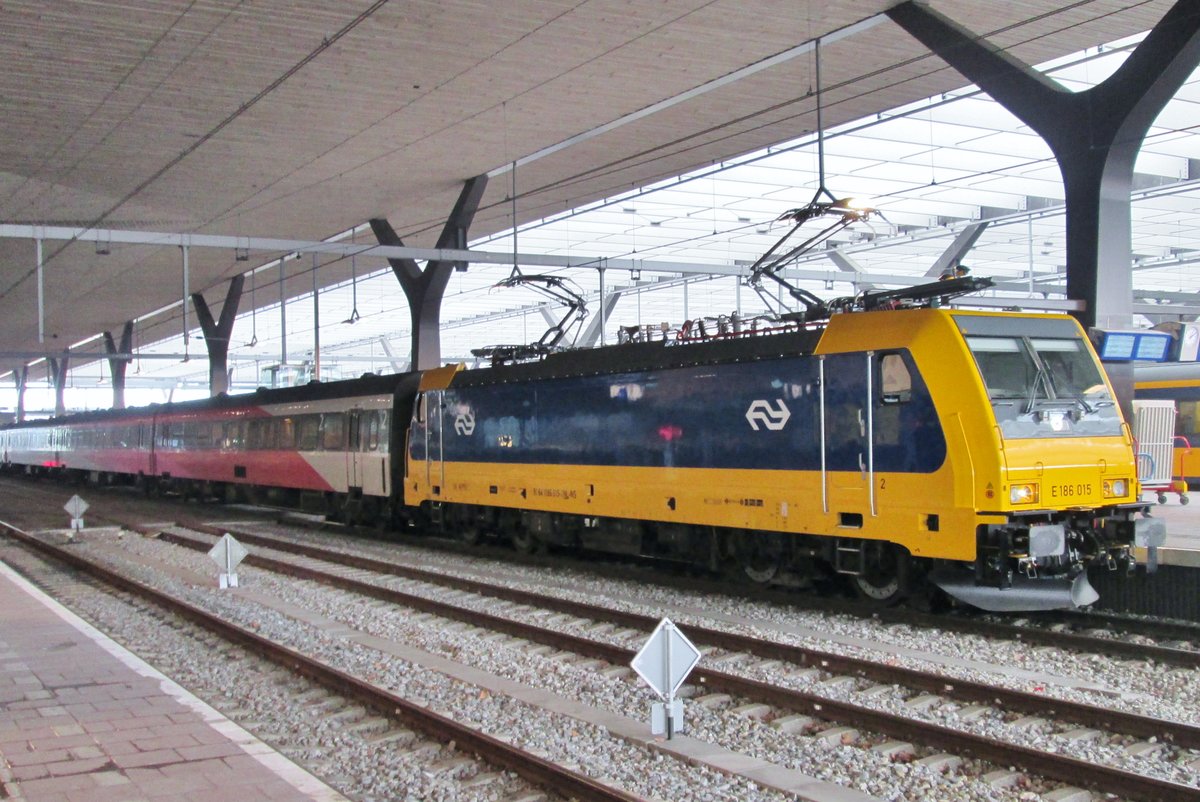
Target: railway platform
column 1173, row 590
column 84, row 720
column 1183, row 531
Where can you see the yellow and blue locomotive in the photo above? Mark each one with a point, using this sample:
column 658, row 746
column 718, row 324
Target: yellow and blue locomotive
column 981, row 451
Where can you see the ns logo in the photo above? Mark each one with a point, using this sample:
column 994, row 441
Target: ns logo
column 773, row 416
column 464, row 423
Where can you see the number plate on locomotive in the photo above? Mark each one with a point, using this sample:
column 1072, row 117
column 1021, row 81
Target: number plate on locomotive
column 1071, row 490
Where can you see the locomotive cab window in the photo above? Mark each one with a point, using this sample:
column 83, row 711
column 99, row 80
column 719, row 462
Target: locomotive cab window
column 895, row 382
column 1044, row 386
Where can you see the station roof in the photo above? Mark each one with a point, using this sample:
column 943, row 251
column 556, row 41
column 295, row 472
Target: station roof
column 271, row 119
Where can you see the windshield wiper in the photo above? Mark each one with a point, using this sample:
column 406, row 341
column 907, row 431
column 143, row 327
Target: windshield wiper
column 1040, row 378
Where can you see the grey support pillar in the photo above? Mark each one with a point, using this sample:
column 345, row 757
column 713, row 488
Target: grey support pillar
column 848, row 265
column 21, row 377
column 1095, row 136
column 592, row 333
column 425, row 289
column 216, row 334
column 964, row 242
column 58, row 375
column 117, row 365
column 397, row 365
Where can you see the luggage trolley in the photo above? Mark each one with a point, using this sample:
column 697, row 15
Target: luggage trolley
column 1154, row 438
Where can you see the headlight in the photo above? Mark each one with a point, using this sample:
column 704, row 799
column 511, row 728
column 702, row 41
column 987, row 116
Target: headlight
column 1115, row 488
column 1023, row 494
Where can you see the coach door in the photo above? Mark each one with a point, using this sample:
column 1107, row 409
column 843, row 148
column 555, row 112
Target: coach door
column 354, row 449
column 366, row 453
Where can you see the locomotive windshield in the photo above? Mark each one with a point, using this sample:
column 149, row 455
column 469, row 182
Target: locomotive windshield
column 1042, row 382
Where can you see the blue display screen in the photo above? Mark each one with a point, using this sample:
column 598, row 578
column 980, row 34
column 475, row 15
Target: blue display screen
column 1145, row 346
column 1118, row 346
column 1152, row 347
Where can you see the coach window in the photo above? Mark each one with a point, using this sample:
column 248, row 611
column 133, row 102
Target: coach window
column 371, row 439
column 385, row 427
column 307, row 427
column 1186, row 422
column 235, row 435
column 284, row 434
column 333, row 431
column 255, row 431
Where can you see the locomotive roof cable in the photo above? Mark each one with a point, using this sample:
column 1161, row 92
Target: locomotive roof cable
column 847, row 211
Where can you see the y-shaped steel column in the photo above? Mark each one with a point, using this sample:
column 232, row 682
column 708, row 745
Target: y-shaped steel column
column 117, row 365
column 21, row 377
column 58, row 376
column 1095, row 136
column 216, row 334
column 425, row 289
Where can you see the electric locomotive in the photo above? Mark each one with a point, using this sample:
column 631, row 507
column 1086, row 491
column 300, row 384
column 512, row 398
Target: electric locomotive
column 983, row 451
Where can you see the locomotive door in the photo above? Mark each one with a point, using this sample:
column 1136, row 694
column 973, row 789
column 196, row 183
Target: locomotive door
column 435, row 467
column 847, row 437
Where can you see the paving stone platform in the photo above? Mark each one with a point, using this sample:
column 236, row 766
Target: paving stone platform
column 84, row 720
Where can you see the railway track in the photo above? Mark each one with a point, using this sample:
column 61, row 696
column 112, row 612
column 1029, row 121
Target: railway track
column 1089, row 644
column 392, row 720
column 799, row 703
column 1169, row 643
column 826, row 663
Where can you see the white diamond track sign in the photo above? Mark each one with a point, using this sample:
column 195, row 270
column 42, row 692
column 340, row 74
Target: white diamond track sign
column 666, row 659
column 664, row 662
column 228, row 554
column 76, row 507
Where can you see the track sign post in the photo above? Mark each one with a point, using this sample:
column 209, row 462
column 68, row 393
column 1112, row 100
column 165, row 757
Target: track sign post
column 664, row 662
column 76, row 507
column 228, row 554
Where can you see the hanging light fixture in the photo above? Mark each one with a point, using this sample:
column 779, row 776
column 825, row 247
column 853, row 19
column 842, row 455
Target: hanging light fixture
column 354, row 316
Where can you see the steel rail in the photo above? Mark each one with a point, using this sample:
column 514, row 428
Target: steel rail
column 1181, row 734
column 987, row 627
column 1055, row 766
column 1033, row 635
column 536, row 770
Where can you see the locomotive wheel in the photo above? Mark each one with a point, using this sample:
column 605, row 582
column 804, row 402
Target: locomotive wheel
column 884, row 577
column 760, row 555
column 524, row 540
